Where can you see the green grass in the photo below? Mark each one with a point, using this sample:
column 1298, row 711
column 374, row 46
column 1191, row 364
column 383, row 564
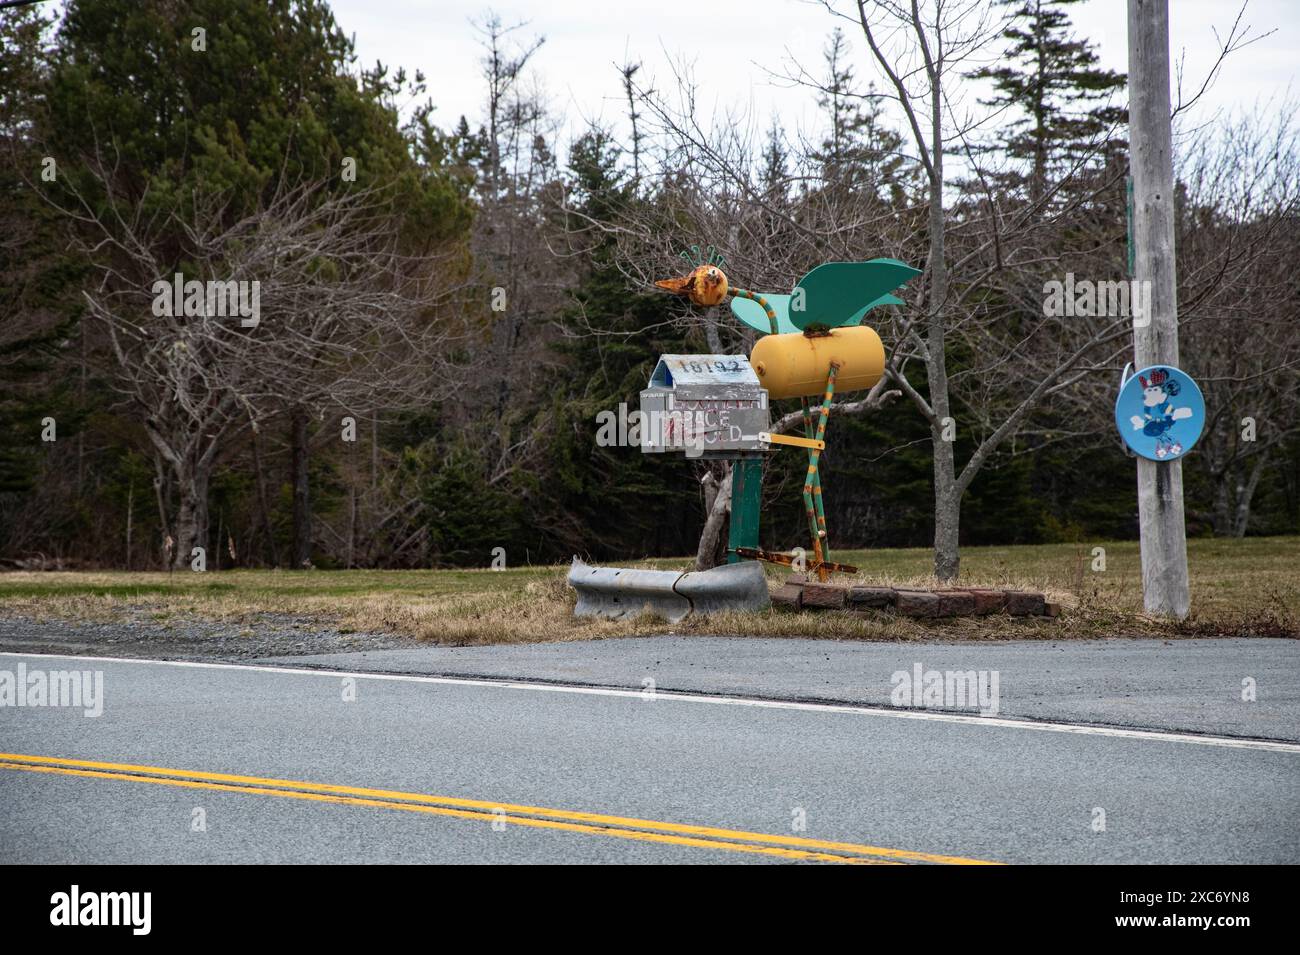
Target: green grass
column 1239, row 587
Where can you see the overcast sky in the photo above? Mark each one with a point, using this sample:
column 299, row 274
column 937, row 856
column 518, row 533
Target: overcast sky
column 732, row 43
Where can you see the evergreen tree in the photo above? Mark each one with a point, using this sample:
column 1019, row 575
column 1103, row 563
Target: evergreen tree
column 618, row 499
column 27, row 249
column 858, row 152
column 1054, row 79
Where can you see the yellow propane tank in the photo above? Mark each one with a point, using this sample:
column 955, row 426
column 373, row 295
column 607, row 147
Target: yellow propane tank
column 796, row 365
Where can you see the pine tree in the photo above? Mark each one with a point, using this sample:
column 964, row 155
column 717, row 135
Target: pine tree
column 627, row 502
column 1054, row 79
column 38, row 299
column 858, row 152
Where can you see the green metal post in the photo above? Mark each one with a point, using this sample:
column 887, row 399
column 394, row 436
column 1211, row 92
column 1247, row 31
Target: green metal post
column 746, row 497
column 747, row 473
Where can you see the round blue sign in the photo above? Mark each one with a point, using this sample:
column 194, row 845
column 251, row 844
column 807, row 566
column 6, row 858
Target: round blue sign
column 1160, row 413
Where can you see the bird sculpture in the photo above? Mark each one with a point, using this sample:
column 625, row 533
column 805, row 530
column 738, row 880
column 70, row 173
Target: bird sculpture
column 833, row 296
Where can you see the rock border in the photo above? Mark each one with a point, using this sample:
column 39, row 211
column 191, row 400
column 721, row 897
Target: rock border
column 800, row 593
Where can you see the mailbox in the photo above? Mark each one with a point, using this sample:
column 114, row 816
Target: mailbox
column 709, row 406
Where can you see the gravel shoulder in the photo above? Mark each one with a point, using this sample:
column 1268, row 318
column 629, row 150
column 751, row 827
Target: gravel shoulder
column 191, row 639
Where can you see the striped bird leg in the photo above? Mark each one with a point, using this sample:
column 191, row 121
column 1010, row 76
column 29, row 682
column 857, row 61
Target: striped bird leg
column 816, row 481
column 816, row 516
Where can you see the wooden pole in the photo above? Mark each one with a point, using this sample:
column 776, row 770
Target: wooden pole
column 1155, row 334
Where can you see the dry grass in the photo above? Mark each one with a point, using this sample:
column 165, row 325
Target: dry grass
column 1239, row 587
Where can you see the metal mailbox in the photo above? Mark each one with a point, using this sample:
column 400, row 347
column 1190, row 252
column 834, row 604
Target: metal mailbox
column 710, row 406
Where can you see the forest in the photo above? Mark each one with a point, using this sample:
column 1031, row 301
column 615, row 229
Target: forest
column 434, row 312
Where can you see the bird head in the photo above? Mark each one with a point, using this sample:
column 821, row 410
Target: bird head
column 705, row 286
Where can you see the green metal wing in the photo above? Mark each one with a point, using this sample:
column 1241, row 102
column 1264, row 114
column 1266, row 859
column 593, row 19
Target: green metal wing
column 840, row 293
column 885, row 299
column 752, row 314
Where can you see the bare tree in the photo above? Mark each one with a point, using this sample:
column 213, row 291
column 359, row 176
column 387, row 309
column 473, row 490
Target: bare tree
column 338, row 315
column 357, row 325
column 1237, row 246
column 518, row 284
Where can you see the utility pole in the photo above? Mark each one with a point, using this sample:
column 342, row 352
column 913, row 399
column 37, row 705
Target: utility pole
column 1155, row 335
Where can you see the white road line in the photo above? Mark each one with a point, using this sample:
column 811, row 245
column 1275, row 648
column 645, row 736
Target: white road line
column 1082, row 729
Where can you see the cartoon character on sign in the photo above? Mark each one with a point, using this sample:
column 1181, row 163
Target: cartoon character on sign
column 1159, row 414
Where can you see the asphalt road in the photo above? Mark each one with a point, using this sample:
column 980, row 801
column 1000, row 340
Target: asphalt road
column 436, row 769
column 1189, row 685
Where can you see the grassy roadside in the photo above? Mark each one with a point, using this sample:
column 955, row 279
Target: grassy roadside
column 1239, row 587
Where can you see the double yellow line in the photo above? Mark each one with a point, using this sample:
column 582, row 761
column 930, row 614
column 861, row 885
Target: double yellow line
column 620, row 827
